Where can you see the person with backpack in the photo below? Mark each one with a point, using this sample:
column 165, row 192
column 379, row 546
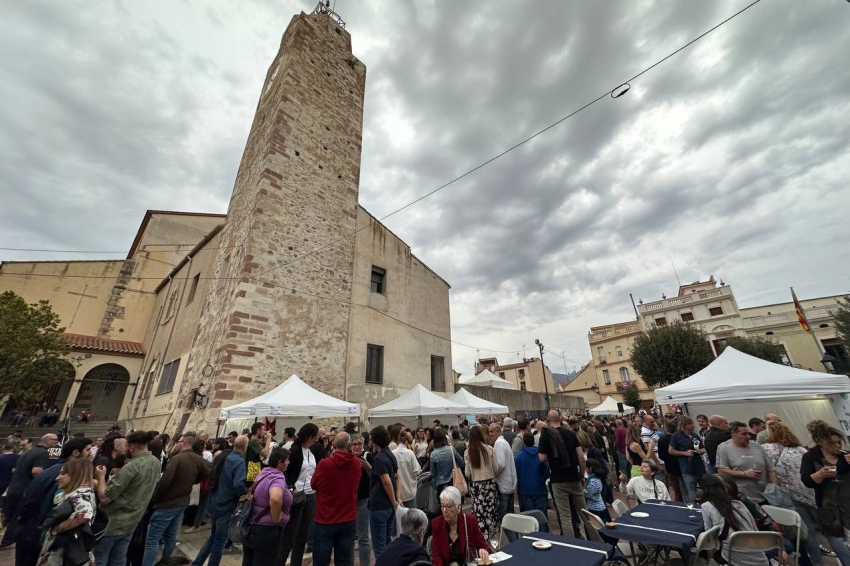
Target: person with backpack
column 560, row 447
column 270, row 509
column 227, row 486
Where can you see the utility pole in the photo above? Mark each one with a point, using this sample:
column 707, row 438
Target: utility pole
column 543, row 368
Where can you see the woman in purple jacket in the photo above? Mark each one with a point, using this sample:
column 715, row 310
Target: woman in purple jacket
column 269, row 511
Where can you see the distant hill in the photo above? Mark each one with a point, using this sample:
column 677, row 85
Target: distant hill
column 566, row 379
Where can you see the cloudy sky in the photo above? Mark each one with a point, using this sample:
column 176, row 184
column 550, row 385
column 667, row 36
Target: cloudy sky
column 730, row 159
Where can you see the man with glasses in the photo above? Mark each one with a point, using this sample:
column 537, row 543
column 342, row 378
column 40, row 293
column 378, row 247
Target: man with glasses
column 746, row 463
column 31, row 463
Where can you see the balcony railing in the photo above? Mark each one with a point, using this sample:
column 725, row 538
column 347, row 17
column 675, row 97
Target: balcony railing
column 603, row 360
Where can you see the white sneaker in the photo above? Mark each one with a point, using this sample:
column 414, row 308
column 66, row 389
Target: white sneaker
column 190, row 530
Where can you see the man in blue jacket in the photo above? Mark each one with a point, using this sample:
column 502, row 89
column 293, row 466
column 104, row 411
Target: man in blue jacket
column 531, row 479
column 229, row 487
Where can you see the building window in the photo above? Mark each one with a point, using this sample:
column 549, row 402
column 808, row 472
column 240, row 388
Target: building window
column 786, row 359
column 167, row 377
column 222, row 274
column 379, row 280
column 438, row 373
column 193, row 288
column 619, row 352
column 522, row 386
column 624, row 374
column 374, row 364
column 606, row 376
column 522, row 373
column 687, row 316
column 715, row 311
column 502, row 374
column 660, row 322
column 148, row 385
column 171, row 308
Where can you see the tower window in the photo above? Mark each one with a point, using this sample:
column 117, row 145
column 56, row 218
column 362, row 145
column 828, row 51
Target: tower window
column 374, row 364
column 379, row 280
column 438, row 373
column 193, row 288
column 715, row 311
column 606, row 376
column 660, row 322
column 687, row 316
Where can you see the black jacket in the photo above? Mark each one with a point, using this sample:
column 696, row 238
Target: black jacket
column 713, row 439
column 296, row 459
column 403, row 551
column 813, row 461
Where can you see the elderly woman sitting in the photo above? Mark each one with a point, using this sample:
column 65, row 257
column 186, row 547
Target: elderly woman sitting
column 455, row 535
column 407, row 548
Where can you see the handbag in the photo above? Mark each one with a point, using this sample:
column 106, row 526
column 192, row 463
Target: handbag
column 253, row 470
column 458, row 481
column 240, row 520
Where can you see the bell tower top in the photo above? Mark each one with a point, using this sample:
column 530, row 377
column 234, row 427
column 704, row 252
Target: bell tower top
column 324, row 7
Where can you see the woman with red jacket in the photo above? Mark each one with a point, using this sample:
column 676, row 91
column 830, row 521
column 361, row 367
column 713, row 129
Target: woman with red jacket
column 453, row 530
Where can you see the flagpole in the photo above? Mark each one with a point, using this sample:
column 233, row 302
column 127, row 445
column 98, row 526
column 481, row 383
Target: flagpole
column 799, row 305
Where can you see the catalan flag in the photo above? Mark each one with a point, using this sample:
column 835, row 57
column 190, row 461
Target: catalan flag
column 801, row 314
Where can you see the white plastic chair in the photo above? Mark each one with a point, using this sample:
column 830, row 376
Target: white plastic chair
column 707, row 540
column 541, row 518
column 620, row 507
column 751, row 541
column 787, row 518
column 593, row 523
column 520, row 524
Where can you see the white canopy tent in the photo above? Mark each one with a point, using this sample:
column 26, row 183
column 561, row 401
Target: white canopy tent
column 418, row 402
column 488, row 379
column 609, row 407
column 739, row 386
column 292, row 398
column 476, row 405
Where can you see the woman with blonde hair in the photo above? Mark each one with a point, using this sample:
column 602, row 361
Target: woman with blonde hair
column 73, row 510
column 636, row 451
column 481, row 468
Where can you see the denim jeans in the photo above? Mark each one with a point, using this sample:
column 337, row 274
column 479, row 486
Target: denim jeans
column 338, row 538
column 535, row 503
column 260, row 549
column 202, row 510
column 811, row 545
column 163, row 526
column 840, row 549
column 382, row 523
column 112, row 550
column 364, row 542
column 214, row 546
column 506, row 505
column 625, row 467
column 689, row 486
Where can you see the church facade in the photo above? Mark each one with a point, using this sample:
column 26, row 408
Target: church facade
column 297, row 278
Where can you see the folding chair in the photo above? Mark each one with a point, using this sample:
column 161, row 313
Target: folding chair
column 707, row 541
column 620, row 507
column 594, row 523
column 520, row 524
column 760, row 541
column 787, row 518
column 541, row 518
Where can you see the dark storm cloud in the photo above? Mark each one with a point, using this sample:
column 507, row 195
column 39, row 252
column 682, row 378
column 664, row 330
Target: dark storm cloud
column 730, row 159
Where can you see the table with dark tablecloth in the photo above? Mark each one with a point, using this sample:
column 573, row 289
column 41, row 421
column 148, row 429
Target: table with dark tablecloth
column 578, row 553
column 669, row 524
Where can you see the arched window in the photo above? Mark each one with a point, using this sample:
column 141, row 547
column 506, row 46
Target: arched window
column 624, row 374
column 619, row 352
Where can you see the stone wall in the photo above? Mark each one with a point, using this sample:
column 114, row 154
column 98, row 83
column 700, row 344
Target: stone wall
column 274, row 312
column 526, row 401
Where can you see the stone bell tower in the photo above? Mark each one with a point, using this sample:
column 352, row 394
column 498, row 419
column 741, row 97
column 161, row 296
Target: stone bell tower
column 272, row 312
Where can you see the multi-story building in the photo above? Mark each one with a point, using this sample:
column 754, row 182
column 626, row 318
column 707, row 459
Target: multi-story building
column 527, row 375
column 778, row 322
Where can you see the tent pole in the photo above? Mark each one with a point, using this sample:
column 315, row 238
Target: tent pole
column 217, row 427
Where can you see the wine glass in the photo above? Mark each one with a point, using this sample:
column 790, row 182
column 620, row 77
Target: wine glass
column 472, row 557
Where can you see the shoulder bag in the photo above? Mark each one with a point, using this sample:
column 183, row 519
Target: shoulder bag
column 240, row 520
column 458, row 480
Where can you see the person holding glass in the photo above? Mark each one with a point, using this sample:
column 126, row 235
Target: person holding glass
column 456, row 538
column 687, row 446
column 826, row 469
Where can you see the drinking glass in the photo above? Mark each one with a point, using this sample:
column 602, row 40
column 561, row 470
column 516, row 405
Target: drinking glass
column 472, row 557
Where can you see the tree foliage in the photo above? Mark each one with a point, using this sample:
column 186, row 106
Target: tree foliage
column 757, row 347
column 842, row 322
column 631, row 396
column 670, row 353
column 31, row 349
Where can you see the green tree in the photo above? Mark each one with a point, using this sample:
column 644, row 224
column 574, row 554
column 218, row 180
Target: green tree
column 31, row 349
column 842, row 322
column 670, row 353
column 631, row 396
column 757, row 347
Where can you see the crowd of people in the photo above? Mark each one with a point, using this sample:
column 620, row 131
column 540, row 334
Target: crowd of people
column 121, row 499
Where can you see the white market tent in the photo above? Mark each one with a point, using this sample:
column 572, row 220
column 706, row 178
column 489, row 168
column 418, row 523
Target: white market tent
column 476, row 405
column 488, row 379
column 609, row 407
column 739, row 386
column 417, row 402
column 292, row 398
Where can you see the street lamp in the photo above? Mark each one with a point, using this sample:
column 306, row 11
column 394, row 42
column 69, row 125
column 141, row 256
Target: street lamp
column 543, row 367
column 829, row 362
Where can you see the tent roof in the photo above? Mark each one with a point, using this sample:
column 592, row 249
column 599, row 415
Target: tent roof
column 476, row 404
column 609, row 407
column 735, row 376
column 292, row 398
column 488, row 378
column 418, row 401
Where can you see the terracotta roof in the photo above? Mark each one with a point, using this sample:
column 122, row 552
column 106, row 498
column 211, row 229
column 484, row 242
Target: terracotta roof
column 98, row 344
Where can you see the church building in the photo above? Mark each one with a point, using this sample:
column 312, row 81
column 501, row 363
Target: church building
column 209, row 310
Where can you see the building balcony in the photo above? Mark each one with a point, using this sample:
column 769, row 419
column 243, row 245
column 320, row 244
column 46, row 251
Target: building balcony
column 791, row 316
column 602, row 333
column 676, row 302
